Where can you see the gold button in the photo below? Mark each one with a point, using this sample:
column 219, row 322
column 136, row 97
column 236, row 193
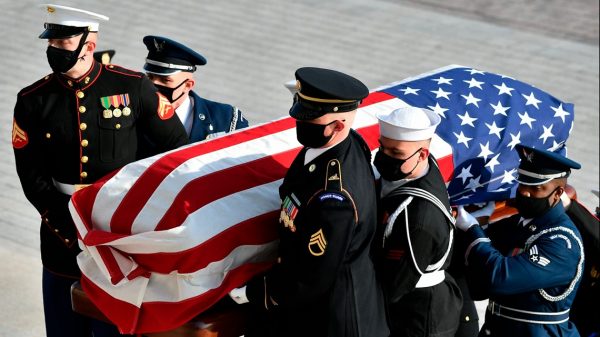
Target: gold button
column 467, row 318
column 55, row 230
column 83, row 174
column 84, row 159
column 67, row 241
column 70, row 83
column 312, row 168
column 111, row 66
column 47, row 77
column 118, row 126
column 82, row 126
column 87, row 80
column 48, row 135
column 80, row 94
column 84, row 142
column 82, row 109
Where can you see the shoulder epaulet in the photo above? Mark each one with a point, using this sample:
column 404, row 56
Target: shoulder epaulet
column 333, row 178
column 123, row 71
column 36, row 85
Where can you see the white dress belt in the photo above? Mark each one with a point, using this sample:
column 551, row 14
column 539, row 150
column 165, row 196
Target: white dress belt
column 68, row 189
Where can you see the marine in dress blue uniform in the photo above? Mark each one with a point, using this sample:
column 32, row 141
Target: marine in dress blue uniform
column 170, row 66
column 416, row 232
column 529, row 265
column 324, row 283
column 71, row 128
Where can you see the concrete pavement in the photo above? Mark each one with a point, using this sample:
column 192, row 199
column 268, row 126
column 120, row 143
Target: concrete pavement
column 253, row 47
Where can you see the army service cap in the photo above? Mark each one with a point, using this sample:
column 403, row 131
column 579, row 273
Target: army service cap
column 63, row 22
column 408, row 123
column 167, row 57
column 540, row 166
column 322, row 91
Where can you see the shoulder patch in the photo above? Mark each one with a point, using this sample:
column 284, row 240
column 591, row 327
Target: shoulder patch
column 19, row 136
column 165, row 109
column 330, row 195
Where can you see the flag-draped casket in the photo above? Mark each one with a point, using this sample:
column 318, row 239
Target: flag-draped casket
column 166, row 237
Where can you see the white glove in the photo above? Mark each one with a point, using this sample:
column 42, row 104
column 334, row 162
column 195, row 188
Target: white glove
column 239, row 295
column 464, row 219
column 566, row 201
column 486, row 211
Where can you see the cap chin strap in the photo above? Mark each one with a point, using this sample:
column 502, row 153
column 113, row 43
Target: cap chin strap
column 543, row 176
column 171, row 65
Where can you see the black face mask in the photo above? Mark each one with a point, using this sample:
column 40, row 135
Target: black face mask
column 531, row 207
column 61, row 60
column 168, row 92
column 390, row 168
column 312, row 135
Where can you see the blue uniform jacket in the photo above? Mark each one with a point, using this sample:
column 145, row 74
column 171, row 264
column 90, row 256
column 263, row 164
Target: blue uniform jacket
column 529, row 272
column 213, row 119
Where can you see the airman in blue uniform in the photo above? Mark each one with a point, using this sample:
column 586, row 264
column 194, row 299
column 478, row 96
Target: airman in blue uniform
column 170, row 65
column 529, row 265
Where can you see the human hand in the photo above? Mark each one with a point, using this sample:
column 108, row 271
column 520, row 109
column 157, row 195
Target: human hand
column 485, row 211
column 464, row 219
column 239, row 295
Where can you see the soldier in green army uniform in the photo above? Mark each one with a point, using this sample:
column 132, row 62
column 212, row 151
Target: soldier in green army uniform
column 70, row 129
column 324, row 282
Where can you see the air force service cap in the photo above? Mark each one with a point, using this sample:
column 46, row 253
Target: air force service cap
column 64, row 22
column 540, row 166
column 408, row 123
column 167, row 57
column 322, row 91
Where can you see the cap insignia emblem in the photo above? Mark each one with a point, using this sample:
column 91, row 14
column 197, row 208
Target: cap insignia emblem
column 528, row 155
column 50, row 9
column 159, row 46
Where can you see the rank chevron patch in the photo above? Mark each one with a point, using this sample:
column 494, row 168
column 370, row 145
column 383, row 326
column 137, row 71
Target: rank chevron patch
column 19, row 136
column 165, row 109
column 536, row 258
column 317, row 243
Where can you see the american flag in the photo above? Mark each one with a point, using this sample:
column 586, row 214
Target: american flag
column 166, row 237
column 484, row 115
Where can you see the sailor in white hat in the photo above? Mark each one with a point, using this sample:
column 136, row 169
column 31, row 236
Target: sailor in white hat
column 405, row 136
column 415, row 240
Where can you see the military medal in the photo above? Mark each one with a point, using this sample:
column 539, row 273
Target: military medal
column 289, row 210
column 126, row 109
column 117, row 112
column 116, row 101
column 105, row 101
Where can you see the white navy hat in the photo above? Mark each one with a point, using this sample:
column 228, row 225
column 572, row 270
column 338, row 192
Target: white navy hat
column 408, row 123
column 64, row 22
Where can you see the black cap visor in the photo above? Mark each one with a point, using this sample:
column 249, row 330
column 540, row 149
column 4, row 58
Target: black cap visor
column 54, row 31
column 306, row 110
